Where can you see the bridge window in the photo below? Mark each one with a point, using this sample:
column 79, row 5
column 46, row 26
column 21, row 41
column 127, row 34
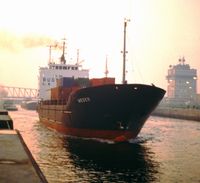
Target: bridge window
column 44, row 79
column 56, row 67
column 64, row 67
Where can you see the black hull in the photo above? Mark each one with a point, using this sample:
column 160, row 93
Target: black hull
column 116, row 112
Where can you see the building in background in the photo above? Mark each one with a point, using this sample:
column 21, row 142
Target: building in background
column 182, row 84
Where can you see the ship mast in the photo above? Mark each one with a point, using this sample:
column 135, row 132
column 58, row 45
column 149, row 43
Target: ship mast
column 106, row 68
column 124, row 53
column 62, row 58
column 50, row 54
column 77, row 59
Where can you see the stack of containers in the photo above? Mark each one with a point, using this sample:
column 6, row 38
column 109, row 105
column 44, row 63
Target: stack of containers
column 66, row 85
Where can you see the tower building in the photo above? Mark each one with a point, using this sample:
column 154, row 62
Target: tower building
column 182, row 82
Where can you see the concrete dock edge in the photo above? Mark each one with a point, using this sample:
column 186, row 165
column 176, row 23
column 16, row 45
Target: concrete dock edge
column 16, row 161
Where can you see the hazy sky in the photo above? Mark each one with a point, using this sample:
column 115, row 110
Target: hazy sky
column 160, row 31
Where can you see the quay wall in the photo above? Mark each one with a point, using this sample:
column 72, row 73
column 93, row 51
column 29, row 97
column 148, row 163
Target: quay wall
column 179, row 113
column 16, row 161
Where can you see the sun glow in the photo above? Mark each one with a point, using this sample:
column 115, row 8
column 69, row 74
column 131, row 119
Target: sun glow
column 157, row 35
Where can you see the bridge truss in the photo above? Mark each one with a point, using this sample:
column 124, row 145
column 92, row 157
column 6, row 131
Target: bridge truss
column 17, row 92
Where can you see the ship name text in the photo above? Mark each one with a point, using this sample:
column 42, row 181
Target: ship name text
column 83, row 100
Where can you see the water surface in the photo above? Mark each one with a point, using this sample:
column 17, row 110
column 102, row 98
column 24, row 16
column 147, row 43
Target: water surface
column 167, row 150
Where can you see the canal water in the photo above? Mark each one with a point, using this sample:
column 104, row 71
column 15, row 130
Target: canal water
column 167, row 150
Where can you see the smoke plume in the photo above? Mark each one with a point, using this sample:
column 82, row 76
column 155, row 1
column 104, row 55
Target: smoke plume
column 13, row 42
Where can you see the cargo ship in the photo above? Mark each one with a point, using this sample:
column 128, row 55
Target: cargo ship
column 9, row 105
column 75, row 105
column 29, row 105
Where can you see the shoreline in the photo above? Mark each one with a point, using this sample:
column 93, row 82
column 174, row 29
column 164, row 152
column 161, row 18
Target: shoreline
column 178, row 113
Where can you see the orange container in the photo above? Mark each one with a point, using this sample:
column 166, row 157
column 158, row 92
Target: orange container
column 61, row 93
column 101, row 81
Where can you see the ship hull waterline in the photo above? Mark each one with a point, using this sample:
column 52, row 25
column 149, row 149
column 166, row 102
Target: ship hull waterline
column 111, row 112
column 113, row 135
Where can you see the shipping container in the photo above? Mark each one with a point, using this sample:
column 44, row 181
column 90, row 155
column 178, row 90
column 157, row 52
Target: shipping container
column 65, row 82
column 101, row 81
column 82, row 82
column 62, row 93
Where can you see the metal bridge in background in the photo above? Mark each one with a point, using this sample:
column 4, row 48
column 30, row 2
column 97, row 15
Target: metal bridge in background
column 18, row 93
